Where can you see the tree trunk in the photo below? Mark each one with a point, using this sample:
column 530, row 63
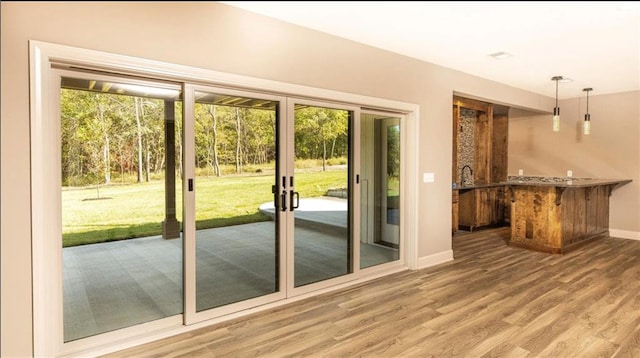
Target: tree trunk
column 107, row 160
column 333, row 147
column 238, row 142
column 139, row 126
column 160, row 163
column 215, row 162
column 147, row 160
column 105, row 149
column 179, row 174
column 121, row 161
column 324, row 155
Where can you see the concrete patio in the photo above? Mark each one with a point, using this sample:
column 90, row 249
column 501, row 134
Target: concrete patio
column 117, row 284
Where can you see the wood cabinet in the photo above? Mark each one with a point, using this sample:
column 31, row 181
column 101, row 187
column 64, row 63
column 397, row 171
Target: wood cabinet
column 499, row 143
column 454, row 211
column 558, row 218
column 480, row 207
column 480, row 142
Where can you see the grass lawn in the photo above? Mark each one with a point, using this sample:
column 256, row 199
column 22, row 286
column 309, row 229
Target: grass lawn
column 137, row 210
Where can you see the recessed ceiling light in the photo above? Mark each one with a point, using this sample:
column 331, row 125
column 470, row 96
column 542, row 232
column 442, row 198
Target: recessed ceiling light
column 500, row 55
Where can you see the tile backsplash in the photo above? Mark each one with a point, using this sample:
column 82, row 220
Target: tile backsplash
column 466, row 138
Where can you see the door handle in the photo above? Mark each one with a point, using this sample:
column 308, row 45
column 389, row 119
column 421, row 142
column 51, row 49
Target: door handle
column 297, row 200
column 284, row 200
column 274, row 191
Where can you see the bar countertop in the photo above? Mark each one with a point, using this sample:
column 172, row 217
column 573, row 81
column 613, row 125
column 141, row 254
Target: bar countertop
column 558, row 214
column 563, row 182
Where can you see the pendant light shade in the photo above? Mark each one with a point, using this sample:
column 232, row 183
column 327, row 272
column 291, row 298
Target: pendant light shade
column 556, row 109
column 586, row 126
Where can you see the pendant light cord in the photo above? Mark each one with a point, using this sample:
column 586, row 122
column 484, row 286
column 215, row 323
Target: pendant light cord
column 587, row 115
column 557, row 93
column 587, row 102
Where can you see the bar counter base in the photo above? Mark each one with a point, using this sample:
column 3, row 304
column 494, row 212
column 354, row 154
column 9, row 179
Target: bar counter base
column 557, row 218
column 562, row 250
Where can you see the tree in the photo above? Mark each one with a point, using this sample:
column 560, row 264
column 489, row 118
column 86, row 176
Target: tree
column 315, row 127
column 259, row 135
column 214, row 145
column 238, row 140
column 393, row 151
column 74, row 111
column 139, row 133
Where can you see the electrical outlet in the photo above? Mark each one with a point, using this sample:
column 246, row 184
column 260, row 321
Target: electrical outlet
column 520, row 172
column 428, row 177
column 569, row 173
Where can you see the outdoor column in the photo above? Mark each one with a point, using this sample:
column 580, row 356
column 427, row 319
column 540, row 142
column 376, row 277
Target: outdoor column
column 170, row 226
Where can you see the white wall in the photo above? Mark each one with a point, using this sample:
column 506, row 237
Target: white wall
column 213, row 36
column 611, row 151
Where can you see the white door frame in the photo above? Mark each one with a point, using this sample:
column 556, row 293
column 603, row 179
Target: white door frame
column 189, row 197
column 353, row 165
column 406, row 242
column 45, row 200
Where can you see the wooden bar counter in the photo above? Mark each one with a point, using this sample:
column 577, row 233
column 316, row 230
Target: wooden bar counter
column 557, row 214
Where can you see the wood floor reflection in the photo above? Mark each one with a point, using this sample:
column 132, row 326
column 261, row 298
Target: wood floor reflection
column 490, row 301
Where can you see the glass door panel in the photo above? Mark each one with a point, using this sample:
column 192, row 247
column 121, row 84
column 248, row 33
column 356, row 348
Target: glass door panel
column 389, row 182
column 320, row 195
column 237, row 247
column 122, row 247
column 228, row 208
column 380, row 190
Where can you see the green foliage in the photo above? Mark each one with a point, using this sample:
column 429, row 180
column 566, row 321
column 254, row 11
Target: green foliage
column 81, row 180
column 337, row 161
column 109, row 141
column 99, row 136
column 113, row 233
column 393, row 151
column 105, row 135
column 321, row 133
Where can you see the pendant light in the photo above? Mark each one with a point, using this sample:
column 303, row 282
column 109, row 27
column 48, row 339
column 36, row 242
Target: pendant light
column 556, row 109
column 586, row 127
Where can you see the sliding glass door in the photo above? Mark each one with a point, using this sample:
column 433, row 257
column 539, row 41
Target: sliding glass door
column 272, row 197
column 380, row 239
column 121, row 242
column 320, row 179
column 235, row 171
column 184, row 202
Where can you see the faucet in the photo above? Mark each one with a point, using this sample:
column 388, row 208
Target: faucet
column 462, row 173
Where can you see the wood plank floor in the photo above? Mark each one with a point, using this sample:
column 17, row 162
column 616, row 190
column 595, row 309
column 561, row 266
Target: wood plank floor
column 490, row 301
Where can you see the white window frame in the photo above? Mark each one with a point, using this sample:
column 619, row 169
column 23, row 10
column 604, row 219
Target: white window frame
column 45, row 201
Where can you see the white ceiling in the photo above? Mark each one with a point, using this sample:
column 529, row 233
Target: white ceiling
column 596, row 44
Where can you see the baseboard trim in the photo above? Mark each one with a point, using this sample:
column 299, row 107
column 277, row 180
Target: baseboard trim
column 624, row 234
column 435, row 259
